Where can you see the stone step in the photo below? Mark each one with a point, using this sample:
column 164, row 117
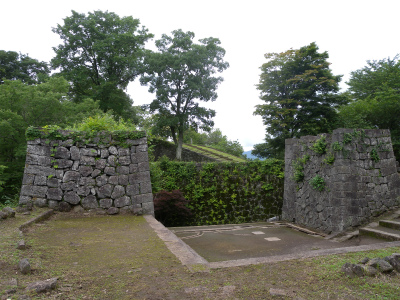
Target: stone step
column 394, row 224
column 381, row 232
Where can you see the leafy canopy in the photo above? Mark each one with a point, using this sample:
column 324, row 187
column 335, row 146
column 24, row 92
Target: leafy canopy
column 23, row 105
column 374, row 93
column 101, row 53
column 182, row 73
column 300, row 95
column 14, row 66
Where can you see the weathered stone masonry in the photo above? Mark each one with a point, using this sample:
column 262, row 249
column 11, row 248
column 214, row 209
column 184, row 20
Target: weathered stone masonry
column 62, row 174
column 362, row 182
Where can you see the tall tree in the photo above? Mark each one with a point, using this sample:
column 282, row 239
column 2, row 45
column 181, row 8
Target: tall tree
column 300, row 95
column 17, row 66
column 101, row 53
column 375, row 99
column 377, row 76
column 183, row 73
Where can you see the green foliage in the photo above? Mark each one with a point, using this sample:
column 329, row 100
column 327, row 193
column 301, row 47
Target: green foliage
column 319, row 146
column 298, row 167
column 300, row 94
column 376, row 77
column 22, row 105
column 329, row 159
column 347, row 138
column 222, row 193
column 182, row 73
column 191, row 136
column 75, row 113
column 103, row 122
column 375, row 99
column 117, row 137
column 318, row 183
column 266, row 150
column 225, row 145
column 218, row 155
column 100, row 54
column 337, row 146
column 374, row 155
column 14, row 66
column 214, row 139
column 2, row 182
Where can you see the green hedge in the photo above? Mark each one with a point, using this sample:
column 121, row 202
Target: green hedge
column 224, row 193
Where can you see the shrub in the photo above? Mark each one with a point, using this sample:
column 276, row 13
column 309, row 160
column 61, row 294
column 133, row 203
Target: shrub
column 103, row 122
column 170, row 208
column 318, row 183
column 319, row 146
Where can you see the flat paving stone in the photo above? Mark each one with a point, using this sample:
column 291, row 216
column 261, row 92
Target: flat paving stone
column 272, row 239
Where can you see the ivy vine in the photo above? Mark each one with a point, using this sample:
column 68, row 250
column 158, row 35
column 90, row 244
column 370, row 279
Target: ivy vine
column 222, row 193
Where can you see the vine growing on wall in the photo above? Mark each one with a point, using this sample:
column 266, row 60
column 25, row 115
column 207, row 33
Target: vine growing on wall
column 222, row 193
column 298, row 166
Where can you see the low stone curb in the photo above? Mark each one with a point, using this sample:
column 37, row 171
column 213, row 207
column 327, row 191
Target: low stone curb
column 42, row 217
column 182, row 251
column 300, row 255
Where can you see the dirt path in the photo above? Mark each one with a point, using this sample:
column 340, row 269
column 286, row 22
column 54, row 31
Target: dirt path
column 121, row 257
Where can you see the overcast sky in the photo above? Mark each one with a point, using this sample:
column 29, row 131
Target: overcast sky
column 351, row 31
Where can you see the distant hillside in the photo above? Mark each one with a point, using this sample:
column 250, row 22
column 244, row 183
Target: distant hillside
column 249, row 155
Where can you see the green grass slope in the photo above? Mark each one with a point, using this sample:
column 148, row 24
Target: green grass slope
column 213, row 153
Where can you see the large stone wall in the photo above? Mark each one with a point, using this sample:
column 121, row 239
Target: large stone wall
column 358, row 171
column 100, row 173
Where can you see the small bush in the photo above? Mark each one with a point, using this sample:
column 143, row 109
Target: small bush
column 319, row 146
column 318, row 183
column 374, row 155
column 336, row 146
column 170, row 208
column 329, row 159
column 298, row 166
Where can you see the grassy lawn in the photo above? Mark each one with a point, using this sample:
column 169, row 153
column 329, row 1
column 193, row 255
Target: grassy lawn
column 120, row 257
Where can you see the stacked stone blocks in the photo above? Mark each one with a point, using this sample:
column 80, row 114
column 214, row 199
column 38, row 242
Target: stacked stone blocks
column 62, row 174
column 362, row 182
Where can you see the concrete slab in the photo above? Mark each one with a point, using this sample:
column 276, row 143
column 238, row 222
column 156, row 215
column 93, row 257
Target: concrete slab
column 236, row 245
column 232, row 242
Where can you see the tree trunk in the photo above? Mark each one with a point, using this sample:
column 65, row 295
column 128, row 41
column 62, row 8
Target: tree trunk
column 173, row 133
column 180, row 143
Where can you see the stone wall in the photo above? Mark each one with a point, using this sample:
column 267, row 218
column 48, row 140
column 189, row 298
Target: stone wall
column 98, row 173
column 354, row 180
